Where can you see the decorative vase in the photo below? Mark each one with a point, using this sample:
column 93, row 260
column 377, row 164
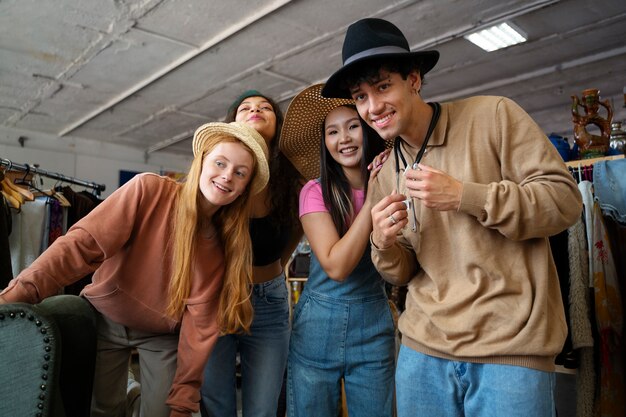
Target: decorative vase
column 591, row 145
column 617, row 141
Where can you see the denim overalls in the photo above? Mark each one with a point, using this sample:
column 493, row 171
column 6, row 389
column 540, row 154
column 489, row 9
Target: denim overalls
column 342, row 330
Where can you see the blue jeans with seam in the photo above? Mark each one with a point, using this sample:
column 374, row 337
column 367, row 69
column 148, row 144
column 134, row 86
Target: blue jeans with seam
column 435, row 387
column 263, row 354
column 609, row 184
column 334, row 338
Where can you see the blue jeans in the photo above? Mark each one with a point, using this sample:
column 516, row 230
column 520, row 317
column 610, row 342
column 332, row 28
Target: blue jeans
column 263, row 354
column 430, row 386
column 331, row 339
column 609, row 184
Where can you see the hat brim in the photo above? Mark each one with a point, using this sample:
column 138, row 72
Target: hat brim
column 302, row 129
column 335, row 89
column 250, row 137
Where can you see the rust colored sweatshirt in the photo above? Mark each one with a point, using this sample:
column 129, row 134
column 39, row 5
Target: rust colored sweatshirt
column 125, row 241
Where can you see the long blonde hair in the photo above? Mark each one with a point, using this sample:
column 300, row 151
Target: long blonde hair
column 231, row 222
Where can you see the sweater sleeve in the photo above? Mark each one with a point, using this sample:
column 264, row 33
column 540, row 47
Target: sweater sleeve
column 537, row 196
column 198, row 334
column 398, row 263
column 95, row 238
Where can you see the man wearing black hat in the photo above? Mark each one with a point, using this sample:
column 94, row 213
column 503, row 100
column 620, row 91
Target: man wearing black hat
column 467, row 200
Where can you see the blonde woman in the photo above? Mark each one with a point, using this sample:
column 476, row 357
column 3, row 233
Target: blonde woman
column 172, row 271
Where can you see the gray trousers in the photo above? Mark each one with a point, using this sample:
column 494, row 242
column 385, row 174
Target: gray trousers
column 157, row 365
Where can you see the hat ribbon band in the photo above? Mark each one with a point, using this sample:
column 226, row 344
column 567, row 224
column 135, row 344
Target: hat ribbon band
column 375, row 51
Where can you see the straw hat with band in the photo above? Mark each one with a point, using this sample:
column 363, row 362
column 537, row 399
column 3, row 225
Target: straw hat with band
column 372, row 38
column 250, row 137
column 301, row 133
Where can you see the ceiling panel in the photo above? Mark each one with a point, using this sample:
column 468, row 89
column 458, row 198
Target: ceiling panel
column 145, row 73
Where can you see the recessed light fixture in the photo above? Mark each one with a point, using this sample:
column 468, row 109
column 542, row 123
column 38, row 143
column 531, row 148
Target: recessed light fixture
column 497, row 37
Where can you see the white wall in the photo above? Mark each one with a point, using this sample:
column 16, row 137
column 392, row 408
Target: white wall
column 84, row 159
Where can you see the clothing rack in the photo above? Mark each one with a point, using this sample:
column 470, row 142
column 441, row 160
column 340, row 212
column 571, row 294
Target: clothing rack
column 582, row 169
column 35, row 170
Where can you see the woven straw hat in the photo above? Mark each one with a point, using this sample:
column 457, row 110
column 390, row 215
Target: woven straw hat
column 302, row 129
column 301, row 134
column 250, row 137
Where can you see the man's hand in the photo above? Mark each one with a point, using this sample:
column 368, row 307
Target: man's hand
column 389, row 216
column 434, row 188
column 3, row 301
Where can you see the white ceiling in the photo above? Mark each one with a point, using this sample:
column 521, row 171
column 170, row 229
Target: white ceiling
column 146, row 73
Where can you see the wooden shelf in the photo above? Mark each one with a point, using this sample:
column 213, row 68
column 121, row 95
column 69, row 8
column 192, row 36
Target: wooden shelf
column 586, row 162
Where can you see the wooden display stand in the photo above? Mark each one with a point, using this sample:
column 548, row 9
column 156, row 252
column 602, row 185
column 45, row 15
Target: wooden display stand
column 586, row 162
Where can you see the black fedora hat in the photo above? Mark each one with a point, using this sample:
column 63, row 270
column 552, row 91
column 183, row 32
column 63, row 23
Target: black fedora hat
column 371, row 38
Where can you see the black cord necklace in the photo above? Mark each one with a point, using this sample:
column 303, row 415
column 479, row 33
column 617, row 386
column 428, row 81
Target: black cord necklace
column 396, row 146
column 399, row 155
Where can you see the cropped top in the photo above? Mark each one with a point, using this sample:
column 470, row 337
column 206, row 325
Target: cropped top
column 268, row 240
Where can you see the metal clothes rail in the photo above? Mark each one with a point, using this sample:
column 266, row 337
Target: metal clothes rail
column 36, row 170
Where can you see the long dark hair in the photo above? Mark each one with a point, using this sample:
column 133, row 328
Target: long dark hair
column 284, row 185
column 336, row 189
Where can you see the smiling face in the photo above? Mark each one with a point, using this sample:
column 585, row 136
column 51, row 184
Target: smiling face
column 343, row 137
column 226, row 171
column 388, row 103
column 259, row 114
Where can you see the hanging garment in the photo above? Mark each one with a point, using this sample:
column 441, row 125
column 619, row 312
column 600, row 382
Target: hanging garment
column 585, row 188
column 609, row 184
column 27, row 234
column 6, row 271
column 56, row 224
column 609, row 321
column 580, row 318
column 559, row 248
column 81, row 204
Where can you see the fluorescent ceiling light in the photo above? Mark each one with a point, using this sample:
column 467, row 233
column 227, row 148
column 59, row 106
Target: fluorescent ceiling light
column 496, row 37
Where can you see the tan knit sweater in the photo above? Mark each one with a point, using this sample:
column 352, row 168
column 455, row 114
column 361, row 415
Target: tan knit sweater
column 483, row 286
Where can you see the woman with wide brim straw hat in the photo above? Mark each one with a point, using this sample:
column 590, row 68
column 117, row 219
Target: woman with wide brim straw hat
column 343, row 303
column 172, row 269
column 301, row 134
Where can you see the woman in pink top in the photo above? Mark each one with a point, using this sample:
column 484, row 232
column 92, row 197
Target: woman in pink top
column 342, row 326
column 172, row 266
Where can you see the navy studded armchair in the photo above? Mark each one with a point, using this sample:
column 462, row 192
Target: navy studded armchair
column 47, row 357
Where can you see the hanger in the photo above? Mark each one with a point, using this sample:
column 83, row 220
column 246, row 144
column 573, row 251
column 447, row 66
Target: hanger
column 51, row 193
column 57, row 193
column 60, row 197
column 14, row 199
column 20, row 193
column 14, row 203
